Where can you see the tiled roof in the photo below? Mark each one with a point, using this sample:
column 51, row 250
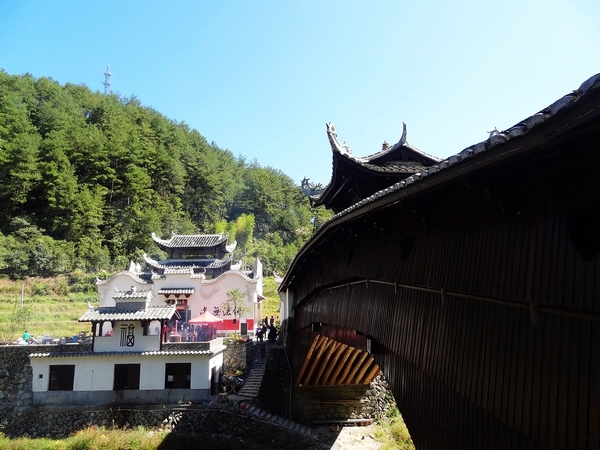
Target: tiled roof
column 164, row 291
column 133, row 295
column 393, row 167
column 146, row 353
column 376, row 162
column 190, row 240
column 519, row 129
column 112, row 313
column 186, row 264
column 140, row 277
column 398, row 145
column 146, row 276
column 178, row 271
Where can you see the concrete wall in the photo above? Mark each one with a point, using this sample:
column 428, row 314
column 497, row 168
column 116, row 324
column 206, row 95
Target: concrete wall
column 120, row 398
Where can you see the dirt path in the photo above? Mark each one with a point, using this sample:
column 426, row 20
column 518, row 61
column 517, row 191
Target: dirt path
column 355, row 438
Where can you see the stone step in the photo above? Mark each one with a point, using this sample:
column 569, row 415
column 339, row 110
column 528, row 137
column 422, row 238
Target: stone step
column 280, row 421
column 253, row 382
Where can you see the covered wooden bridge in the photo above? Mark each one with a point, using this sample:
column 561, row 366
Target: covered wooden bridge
column 474, row 284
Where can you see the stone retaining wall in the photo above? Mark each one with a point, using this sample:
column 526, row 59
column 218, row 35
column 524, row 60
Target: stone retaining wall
column 238, row 357
column 216, row 420
column 313, row 403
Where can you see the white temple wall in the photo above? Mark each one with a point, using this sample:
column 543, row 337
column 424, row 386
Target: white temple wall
column 207, row 293
column 212, row 293
column 122, row 281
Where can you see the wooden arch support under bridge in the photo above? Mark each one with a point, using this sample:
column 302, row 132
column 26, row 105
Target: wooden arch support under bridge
column 329, row 362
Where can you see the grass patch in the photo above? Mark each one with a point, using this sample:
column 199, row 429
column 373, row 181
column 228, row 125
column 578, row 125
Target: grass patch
column 93, row 438
column 100, row 438
column 393, row 434
column 55, row 305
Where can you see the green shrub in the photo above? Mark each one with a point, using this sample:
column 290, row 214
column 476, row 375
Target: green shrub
column 80, row 281
column 41, row 289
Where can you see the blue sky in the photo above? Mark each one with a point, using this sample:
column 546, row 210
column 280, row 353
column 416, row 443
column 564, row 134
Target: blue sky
column 263, row 78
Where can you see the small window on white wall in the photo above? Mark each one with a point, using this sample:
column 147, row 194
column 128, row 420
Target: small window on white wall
column 178, row 375
column 61, row 378
column 127, row 376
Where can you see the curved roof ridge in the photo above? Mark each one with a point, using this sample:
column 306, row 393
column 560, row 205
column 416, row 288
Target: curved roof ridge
column 123, row 272
column 232, row 272
column 521, row 128
column 191, row 240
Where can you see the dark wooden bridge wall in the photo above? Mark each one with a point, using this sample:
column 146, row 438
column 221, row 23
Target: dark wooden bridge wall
column 469, row 369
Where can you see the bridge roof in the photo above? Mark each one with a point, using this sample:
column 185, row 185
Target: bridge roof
column 567, row 113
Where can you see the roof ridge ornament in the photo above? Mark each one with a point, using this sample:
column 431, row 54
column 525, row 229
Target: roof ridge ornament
column 401, row 143
column 494, row 132
column 311, row 188
column 333, row 140
column 402, row 140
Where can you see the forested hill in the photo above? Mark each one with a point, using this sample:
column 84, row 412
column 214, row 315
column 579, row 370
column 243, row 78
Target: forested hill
column 85, row 178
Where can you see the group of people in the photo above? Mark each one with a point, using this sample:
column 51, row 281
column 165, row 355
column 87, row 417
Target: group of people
column 190, row 333
column 267, row 330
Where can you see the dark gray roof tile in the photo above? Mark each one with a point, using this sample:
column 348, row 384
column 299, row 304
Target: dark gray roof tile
column 146, row 353
column 190, row 240
column 112, row 313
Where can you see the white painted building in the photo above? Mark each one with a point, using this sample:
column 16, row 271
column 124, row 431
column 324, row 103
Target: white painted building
column 144, row 351
column 128, row 364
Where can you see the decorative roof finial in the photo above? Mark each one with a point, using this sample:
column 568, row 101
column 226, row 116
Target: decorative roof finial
column 311, row 188
column 494, row 132
column 403, row 138
column 333, row 140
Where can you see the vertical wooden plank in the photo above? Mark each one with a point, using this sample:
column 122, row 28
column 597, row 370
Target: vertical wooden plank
column 593, row 434
column 548, row 383
column 544, row 260
column 463, row 362
column 583, row 394
column 530, row 398
column 573, row 382
column 500, row 364
column 507, row 396
column 479, row 354
column 521, row 402
column 563, row 384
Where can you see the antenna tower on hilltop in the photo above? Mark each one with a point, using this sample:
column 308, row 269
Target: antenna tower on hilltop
column 107, row 82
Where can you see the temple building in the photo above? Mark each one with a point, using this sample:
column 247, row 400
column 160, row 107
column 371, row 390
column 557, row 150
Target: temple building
column 355, row 178
column 157, row 335
column 195, row 277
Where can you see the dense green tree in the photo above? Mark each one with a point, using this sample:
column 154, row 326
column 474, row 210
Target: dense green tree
column 86, row 178
column 19, row 143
